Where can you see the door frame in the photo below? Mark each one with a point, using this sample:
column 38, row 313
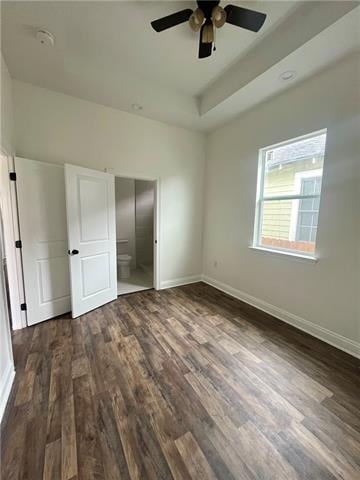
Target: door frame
column 156, row 226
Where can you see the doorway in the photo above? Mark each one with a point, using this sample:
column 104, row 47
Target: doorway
column 135, row 234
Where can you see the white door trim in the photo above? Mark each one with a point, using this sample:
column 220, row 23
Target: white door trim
column 8, row 374
column 157, row 241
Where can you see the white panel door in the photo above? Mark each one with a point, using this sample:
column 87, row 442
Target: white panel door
column 90, row 205
column 42, row 216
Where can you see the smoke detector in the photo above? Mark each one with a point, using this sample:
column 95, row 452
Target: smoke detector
column 45, row 38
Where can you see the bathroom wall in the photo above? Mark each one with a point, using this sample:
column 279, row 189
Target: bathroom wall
column 144, row 222
column 125, row 216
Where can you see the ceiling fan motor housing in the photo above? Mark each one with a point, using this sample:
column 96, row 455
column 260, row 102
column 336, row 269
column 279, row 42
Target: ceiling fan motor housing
column 207, row 7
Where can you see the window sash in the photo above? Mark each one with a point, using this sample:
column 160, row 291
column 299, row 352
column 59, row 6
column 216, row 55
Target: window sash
column 259, row 216
column 296, row 196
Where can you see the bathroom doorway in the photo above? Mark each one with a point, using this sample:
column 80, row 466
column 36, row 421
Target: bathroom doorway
column 135, row 202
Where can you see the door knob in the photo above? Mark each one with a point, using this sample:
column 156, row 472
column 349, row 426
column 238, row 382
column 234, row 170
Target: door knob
column 73, row 252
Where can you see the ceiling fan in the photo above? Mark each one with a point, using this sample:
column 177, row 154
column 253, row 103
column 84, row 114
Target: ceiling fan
column 209, row 15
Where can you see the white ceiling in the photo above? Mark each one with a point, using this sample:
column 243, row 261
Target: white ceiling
column 107, row 52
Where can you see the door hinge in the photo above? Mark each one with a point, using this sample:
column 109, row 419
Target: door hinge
column 23, row 306
column 18, row 244
column 12, row 176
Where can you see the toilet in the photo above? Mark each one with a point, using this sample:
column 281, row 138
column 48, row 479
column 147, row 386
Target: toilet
column 123, row 258
column 123, row 263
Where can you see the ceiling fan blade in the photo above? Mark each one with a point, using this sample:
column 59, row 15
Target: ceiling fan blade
column 171, row 20
column 205, row 49
column 242, row 17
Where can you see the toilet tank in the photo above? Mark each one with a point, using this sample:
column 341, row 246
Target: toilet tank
column 122, row 246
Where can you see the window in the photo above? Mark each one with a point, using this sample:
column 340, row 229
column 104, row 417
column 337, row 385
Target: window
column 288, row 195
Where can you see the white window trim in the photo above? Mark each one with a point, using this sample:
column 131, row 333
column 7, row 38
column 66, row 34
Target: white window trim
column 299, row 176
column 260, row 198
column 286, row 253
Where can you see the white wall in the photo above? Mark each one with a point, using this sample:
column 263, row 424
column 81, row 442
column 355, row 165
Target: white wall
column 125, row 216
column 144, row 222
column 58, row 128
column 6, row 357
column 325, row 293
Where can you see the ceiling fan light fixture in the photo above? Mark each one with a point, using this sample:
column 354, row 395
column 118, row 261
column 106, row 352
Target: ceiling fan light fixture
column 218, row 16
column 196, row 19
column 208, row 33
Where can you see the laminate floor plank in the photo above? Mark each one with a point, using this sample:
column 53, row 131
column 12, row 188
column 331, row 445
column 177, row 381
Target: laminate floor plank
column 187, row 384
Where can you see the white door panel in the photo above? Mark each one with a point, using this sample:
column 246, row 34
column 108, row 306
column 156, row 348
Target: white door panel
column 42, row 215
column 90, row 203
column 93, row 203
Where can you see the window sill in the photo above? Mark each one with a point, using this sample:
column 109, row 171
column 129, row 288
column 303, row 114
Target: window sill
column 297, row 256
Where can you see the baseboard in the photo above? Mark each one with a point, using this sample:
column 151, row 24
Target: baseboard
column 332, row 338
column 180, row 281
column 5, row 388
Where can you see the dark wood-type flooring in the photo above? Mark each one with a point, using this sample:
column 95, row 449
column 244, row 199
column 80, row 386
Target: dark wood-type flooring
column 185, row 383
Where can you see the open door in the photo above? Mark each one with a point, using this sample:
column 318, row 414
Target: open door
column 41, row 203
column 90, row 207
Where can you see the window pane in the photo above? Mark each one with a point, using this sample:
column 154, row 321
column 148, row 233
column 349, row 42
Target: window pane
column 313, row 235
column 304, row 234
column 308, row 186
column 305, row 219
column 308, row 211
column 307, row 204
column 283, row 226
column 295, row 168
